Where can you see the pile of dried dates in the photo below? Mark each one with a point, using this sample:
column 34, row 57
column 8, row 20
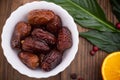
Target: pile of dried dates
column 42, row 40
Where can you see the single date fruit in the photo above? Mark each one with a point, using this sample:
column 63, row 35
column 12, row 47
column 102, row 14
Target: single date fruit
column 54, row 25
column 41, row 17
column 51, row 60
column 29, row 59
column 22, row 29
column 64, row 39
column 32, row 45
column 44, row 35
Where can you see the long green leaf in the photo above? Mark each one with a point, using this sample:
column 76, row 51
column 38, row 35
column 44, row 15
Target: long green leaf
column 106, row 41
column 116, row 8
column 87, row 13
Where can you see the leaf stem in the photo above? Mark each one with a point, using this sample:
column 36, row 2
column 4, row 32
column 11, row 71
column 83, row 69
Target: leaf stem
column 112, row 28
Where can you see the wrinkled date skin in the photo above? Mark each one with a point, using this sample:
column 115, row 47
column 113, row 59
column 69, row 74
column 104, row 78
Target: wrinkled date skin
column 22, row 29
column 41, row 58
column 54, row 25
column 40, row 17
column 30, row 44
column 51, row 60
column 64, row 39
column 29, row 59
column 42, row 40
column 44, row 35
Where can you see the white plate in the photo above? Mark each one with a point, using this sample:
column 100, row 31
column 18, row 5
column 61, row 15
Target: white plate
column 20, row 14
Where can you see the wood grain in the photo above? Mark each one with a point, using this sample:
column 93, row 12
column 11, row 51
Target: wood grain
column 84, row 65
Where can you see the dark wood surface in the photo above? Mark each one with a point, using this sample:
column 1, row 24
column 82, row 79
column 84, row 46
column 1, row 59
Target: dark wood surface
column 84, row 65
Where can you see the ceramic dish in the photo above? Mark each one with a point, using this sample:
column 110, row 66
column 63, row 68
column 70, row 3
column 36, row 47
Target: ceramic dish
column 20, row 14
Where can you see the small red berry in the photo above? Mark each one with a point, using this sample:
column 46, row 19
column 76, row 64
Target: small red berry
column 92, row 52
column 73, row 76
column 80, row 78
column 118, row 25
column 95, row 48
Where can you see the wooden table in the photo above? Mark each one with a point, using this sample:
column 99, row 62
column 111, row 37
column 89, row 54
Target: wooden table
column 84, row 65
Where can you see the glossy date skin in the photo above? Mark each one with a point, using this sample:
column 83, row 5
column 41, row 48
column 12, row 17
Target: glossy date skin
column 44, row 35
column 51, row 60
column 54, row 25
column 29, row 59
column 41, row 17
column 42, row 40
column 32, row 45
column 22, row 29
column 64, row 39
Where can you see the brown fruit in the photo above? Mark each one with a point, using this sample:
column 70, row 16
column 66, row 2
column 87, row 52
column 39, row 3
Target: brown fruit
column 64, row 39
column 41, row 58
column 54, row 25
column 22, row 29
column 30, row 44
column 29, row 59
column 38, row 26
column 40, row 16
column 51, row 60
column 44, row 35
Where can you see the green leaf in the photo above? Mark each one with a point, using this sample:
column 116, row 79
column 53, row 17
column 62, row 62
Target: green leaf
column 87, row 13
column 116, row 8
column 106, row 41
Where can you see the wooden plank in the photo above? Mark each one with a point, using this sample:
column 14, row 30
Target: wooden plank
column 4, row 66
column 84, row 65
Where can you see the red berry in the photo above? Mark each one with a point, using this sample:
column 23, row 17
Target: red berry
column 73, row 76
column 118, row 25
column 80, row 78
column 92, row 52
column 95, row 48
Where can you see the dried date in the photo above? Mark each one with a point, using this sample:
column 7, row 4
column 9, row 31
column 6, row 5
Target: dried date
column 51, row 60
column 44, row 35
column 42, row 41
column 41, row 58
column 64, row 39
column 41, row 17
column 22, row 29
column 54, row 25
column 29, row 59
column 32, row 45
